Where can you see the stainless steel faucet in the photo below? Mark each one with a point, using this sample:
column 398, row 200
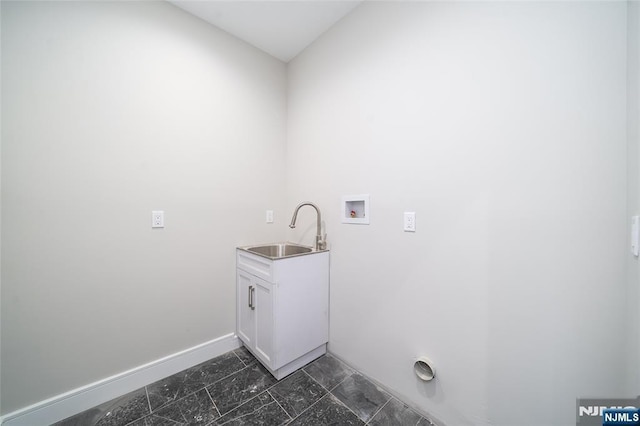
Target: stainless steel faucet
column 321, row 242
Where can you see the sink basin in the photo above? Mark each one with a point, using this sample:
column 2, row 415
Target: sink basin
column 279, row 250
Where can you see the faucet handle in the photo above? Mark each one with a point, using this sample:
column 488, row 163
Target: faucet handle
column 322, row 244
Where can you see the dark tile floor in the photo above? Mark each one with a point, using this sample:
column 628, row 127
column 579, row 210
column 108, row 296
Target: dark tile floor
column 234, row 389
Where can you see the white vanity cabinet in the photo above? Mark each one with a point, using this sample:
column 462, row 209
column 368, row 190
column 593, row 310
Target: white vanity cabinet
column 283, row 308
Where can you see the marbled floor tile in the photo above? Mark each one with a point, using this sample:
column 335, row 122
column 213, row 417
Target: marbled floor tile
column 425, row 422
column 297, row 392
column 143, row 422
column 116, row 412
column 361, row 396
column 328, row 411
column 395, row 413
column 261, row 410
column 245, row 356
column 88, row 417
column 192, row 379
column 328, row 371
column 194, row 409
column 234, row 390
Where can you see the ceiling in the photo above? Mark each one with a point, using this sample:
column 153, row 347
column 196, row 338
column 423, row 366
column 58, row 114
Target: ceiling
column 280, row 28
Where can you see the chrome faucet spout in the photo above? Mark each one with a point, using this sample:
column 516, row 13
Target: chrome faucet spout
column 321, row 242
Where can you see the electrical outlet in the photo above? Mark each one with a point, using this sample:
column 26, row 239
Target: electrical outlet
column 635, row 235
column 269, row 216
column 410, row 221
column 157, row 219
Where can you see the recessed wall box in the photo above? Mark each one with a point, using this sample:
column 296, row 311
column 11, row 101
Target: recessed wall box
column 355, row 209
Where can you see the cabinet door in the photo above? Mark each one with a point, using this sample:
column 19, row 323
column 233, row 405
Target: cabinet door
column 246, row 321
column 264, row 335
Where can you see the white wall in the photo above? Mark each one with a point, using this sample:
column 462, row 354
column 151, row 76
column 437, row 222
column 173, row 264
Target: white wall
column 633, row 190
column 502, row 125
column 111, row 110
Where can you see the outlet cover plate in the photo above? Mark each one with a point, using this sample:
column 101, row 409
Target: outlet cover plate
column 410, row 221
column 157, row 219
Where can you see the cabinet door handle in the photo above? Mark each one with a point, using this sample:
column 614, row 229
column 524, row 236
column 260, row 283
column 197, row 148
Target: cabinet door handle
column 251, row 290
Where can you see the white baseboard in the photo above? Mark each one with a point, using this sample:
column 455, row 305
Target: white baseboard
column 78, row 400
